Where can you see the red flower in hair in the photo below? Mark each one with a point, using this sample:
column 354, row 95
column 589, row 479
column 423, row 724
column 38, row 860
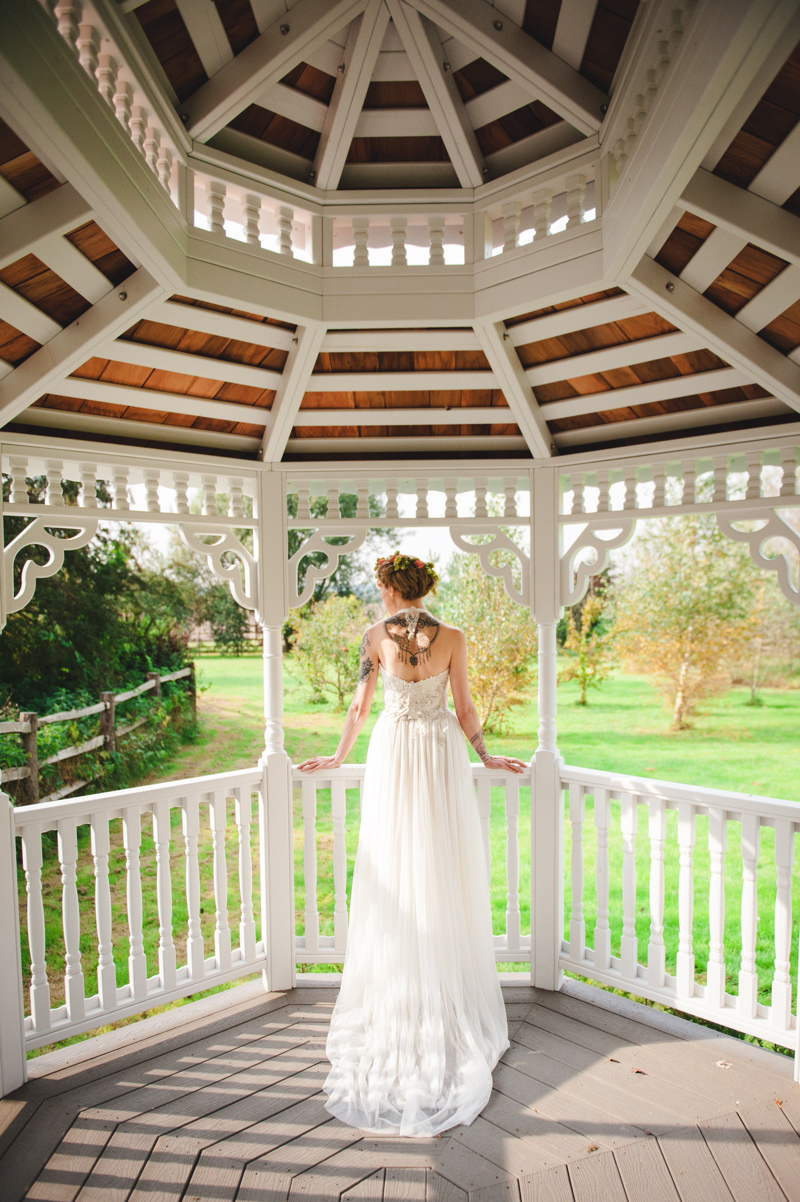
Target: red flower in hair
column 419, row 563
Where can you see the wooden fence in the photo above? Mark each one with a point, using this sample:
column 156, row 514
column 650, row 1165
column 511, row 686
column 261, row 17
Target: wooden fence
column 27, row 727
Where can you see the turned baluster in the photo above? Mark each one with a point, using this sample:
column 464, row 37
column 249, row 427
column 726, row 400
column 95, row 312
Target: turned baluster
column 629, row 944
column 209, row 484
column 54, row 494
column 480, row 499
column 659, row 471
column 164, row 167
column 789, row 467
column 235, row 501
column 753, row 467
column 715, row 968
column 333, row 512
column 162, row 835
column 656, row 949
column 180, row 481
column 303, row 506
column 19, row 485
column 251, row 210
column 218, row 807
column 106, row 75
column 781, row 1010
column 285, row 219
column 137, row 123
column 748, row 974
column 122, row 102
column 360, row 237
column 68, row 14
column 422, row 500
column 86, row 45
column 40, row 986
column 119, row 486
column 512, row 211
column 391, row 501
column 106, row 968
column 542, row 199
column 398, row 230
column 151, row 479
column 576, row 199
column 436, row 237
column 362, row 501
column 215, row 195
column 152, row 142
column 510, row 499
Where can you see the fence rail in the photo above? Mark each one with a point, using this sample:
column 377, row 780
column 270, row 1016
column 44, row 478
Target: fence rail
column 29, row 723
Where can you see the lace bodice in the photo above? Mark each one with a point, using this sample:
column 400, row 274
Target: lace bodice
column 415, row 699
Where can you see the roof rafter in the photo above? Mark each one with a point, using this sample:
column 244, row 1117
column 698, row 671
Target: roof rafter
column 265, row 61
column 207, row 33
column 424, row 49
column 503, row 359
column 294, row 382
column 575, row 19
column 361, row 52
column 520, row 57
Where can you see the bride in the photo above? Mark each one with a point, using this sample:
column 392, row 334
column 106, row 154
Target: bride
column 419, row 1022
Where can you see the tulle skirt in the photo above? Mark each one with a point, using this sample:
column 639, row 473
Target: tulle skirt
column 419, row 1022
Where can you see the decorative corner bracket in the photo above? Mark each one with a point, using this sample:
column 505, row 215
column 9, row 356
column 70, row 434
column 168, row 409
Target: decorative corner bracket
column 504, row 572
column 773, row 526
column 576, row 570
column 241, row 576
column 314, row 573
column 38, row 533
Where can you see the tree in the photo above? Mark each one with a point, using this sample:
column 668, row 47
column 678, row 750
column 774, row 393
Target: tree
column 587, row 647
column 326, row 646
column 501, row 640
column 688, row 608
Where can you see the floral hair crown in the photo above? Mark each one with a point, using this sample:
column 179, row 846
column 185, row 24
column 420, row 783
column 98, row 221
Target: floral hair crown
column 399, row 562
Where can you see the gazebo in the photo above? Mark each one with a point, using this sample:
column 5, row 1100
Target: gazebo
column 530, row 258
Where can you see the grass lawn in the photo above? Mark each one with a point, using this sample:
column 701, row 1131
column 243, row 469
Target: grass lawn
column 731, row 746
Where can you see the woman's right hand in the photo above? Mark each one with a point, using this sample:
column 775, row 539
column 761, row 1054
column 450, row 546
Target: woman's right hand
column 507, row 762
column 319, row 761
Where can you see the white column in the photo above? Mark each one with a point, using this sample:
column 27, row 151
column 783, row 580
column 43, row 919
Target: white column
column 277, row 854
column 12, row 1037
column 547, row 810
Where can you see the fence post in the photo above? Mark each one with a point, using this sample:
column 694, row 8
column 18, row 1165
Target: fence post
column 193, row 689
column 107, row 724
column 13, row 1072
column 30, row 787
column 156, row 676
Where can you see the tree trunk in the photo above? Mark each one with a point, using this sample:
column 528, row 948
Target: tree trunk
column 680, row 697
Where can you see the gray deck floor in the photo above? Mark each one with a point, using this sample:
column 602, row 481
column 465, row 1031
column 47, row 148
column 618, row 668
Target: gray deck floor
column 597, row 1100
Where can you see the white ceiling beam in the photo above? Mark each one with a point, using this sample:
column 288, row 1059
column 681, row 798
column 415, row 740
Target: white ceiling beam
column 289, row 102
column 74, row 268
column 664, row 231
column 294, row 383
column 521, row 58
column 684, row 420
column 575, row 19
column 207, row 32
column 646, row 394
column 580, row 317
column 264, row 63
column 158, row 358
column 401, row 381
column 350, row 341
column 409, row 445
column 222, row 325
column 327, row 58
column 396, row 123
column 122, row 430
column 432, row 415
column 533, row 148
column 392, row 66
column 719, row 249
column 724, row 335
column 424, row 49
column 23, row 231
column 73, row 346
column 10, row 198
column 361, row 52
column 24, row 316
column 611, row 358
column 780, row 175
column 750, row 217
column 165, row 402
column 510, row 375
column 777, row 296
column 497, row 102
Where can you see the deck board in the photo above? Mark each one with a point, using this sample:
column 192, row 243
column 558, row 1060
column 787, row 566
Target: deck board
column 231, row 1109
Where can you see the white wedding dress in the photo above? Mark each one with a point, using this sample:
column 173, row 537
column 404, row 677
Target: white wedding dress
column 419, row 1022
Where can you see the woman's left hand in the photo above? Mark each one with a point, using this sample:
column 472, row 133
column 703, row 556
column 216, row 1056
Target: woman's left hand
column 319, row 761
column 507, row 762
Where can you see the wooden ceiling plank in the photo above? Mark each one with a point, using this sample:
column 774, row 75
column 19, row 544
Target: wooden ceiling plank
column 264, row 62
column 497, row 102
column 460, row 415
column 122, row 430
column 400, row 381
column 432, row 444
column 664, row 231
column 223, row 325
column 207, row 32
column 165, row 402
column 296, row 105
column 294, row 384
column 611, row 358
column 647, row 394
column 424, row 49
column 749, row 216
column 357, row 341
column 780, row 294
column 361, row 52
column 723, row 334
column 780, row 175
column 23, row 231
column 73, row 346
column 575, row 19
column 679, row 422
column 159, row 358
column 521, row 58
column 581, row 317
column 19, row 312
column 510, row 376
column 719, row 249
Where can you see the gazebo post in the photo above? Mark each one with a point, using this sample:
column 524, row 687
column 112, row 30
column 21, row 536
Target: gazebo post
column 277, row 859
column 547, row 818
column 13, row 1071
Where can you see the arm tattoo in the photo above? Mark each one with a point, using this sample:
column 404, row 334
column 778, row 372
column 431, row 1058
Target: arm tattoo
column 477, row 742
column 366, row 668
column 364, row 645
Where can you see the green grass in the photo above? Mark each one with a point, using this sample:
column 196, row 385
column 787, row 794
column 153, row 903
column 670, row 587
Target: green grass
column 731, row 746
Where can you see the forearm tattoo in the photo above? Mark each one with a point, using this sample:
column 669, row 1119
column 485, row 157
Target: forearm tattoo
column 367, row 665
column 479, row 745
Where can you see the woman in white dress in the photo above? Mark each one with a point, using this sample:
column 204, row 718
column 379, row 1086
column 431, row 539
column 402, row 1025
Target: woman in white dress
column 419, row 1022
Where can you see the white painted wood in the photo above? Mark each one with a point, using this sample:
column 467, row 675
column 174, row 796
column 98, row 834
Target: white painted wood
column 512, row 863
column 780, row 175
column 289, row 102
column 534, row 148
column 243, row 811
column 396, row 123
column 218, row 801
column 264, row 63
column 510, row 376
column 629, row 944
column 687, row 835
column 90, row 426
column 340, row 916
column 716, row 970
column 165, row 402
column 400, row 381
column 743, row 213
column 602, row 930
column 664, row 231
column 781, row 1007
column 686, row 420
column 780, row 294
column 162, row 836
column 195, row 956
column 663, row 346
column 132, row 842
column 31, row 226
column 106, row 969
column 223, row 325
column 424, row 49
column 207, row 32
column 582, row 317
column 158, row 358
column 401, row 340
column 74, row 268
column 328, row 56
column 391, row 66
column 436, row 445
column 13, row 1069
column 433, row 415
column 360, row 55
column 311, row 914
column 719, row 249
column 644, row 394
column 506, row 98
column 572, row 31
column 19, row 312
column 748, row 975
column 577, row 923
column 519, row 57
column 10, row 198
column 294, row 383
column 656, row 950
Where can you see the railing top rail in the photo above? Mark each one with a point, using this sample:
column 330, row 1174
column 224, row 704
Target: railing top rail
column 47, row 814
column 717, row 799
column 355, row 772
